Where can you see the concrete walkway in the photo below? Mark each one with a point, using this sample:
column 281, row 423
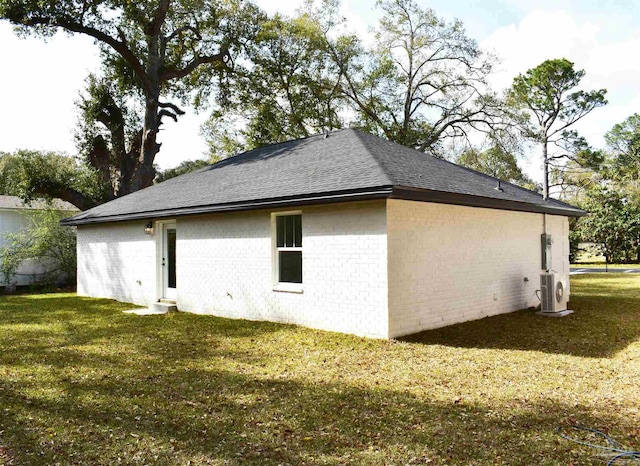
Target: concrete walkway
column 146, row 311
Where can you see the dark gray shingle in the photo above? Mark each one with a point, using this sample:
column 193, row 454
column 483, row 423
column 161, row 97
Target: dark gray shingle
column 347, row 161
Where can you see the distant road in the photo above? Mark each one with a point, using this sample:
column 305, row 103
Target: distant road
column 579, row 270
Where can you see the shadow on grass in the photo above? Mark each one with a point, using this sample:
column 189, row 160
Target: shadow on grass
column 82, row 383
column 223, row 416
column 606, row 321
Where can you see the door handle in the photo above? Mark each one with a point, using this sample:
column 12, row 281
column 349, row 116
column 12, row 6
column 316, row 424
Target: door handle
column 163, row 261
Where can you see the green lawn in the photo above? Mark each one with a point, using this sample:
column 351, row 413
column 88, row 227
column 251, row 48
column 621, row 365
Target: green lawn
column 83, row 383
column 601, row 265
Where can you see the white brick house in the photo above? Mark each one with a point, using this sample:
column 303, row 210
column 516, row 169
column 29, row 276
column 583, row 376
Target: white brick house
column 347, row 233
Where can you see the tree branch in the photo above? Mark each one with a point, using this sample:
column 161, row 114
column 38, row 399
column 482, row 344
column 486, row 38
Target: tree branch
column 173, row 73
column 173, row 107
column 119, row 46
column 158, row 18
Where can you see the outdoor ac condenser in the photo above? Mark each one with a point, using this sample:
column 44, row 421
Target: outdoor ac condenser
column 554, row 292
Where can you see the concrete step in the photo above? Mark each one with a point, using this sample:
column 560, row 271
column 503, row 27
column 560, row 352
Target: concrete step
column 165, row 307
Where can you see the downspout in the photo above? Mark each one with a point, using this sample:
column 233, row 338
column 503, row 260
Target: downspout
column 543, row 244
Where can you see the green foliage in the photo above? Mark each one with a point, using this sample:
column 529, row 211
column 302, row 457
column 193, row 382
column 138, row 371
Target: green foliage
column 613, row 224
column 33, row 174
column 497, row 163
column 423, row 84
column 575, row 238
column 223, row 136
column 578, row 167
column 546, row 92
column 287, row 89
column 45, row 242
column 185, row 167
column 623, row 141
column 547, row 95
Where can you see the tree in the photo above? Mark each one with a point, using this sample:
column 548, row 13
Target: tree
column 422, row 84
column 547, row 95
column 498, row 163
column 613, row 224
column 424, row 81
column 154, row 51
column 31, row 174
column 185, row 167
column 623, row 142
column 45, row 242
column 577, row 166
column 287, row 88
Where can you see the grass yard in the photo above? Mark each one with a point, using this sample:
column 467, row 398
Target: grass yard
column 602, row 265
column 83, row 383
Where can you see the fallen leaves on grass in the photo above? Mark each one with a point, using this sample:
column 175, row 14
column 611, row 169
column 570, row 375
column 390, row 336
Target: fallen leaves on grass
column 82, row 383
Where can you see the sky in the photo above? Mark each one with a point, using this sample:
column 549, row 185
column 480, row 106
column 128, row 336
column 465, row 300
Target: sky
column 40, row 81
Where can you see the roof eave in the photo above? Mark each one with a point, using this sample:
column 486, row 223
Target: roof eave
column 380, row 192
column 440, row 197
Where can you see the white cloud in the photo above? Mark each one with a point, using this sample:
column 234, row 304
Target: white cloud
column 608, row 60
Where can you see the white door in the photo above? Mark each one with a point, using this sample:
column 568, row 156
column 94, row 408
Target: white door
column 169, row 261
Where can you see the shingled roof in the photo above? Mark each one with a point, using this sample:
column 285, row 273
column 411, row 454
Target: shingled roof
column 15, row 203
column 345, row 165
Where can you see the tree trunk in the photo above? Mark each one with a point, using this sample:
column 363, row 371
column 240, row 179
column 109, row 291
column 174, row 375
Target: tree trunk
column 545, row 160
column 144, row 172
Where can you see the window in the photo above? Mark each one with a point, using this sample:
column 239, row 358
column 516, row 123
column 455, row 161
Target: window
column 288, row 253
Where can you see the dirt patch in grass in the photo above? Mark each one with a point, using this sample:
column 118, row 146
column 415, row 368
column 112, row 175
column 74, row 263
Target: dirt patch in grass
column 83, row 383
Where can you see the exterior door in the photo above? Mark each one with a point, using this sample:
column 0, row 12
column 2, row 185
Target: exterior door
column 169, row 261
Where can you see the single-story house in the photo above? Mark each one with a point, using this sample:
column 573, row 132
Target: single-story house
column 342, row 231
column 14, row 218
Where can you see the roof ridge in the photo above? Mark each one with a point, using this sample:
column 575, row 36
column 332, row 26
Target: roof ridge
column 445, row 161
column 361, row 135
column 340, row 165
column 247, row 153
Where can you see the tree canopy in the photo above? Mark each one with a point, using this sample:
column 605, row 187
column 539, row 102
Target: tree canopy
column 498, row 163
column 613, row 224
column 152, row 51
column 623, row 141
column 184, row 167
column 422, row 84
column 32, row 174
column 548, row 95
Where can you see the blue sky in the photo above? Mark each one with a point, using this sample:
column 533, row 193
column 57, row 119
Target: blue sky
column 40, row 81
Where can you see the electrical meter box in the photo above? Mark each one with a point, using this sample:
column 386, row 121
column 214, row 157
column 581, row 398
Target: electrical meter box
column 545, row 243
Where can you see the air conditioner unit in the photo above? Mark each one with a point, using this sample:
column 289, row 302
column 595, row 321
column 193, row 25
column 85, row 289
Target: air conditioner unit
column 554, row 293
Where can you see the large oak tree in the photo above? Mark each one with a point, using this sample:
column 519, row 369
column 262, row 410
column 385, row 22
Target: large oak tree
column 160, row 53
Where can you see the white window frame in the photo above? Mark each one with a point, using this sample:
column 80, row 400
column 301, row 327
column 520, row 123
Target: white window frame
column 275, row 255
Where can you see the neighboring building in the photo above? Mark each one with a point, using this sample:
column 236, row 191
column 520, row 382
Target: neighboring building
column 344, row 231
column 13, row 219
